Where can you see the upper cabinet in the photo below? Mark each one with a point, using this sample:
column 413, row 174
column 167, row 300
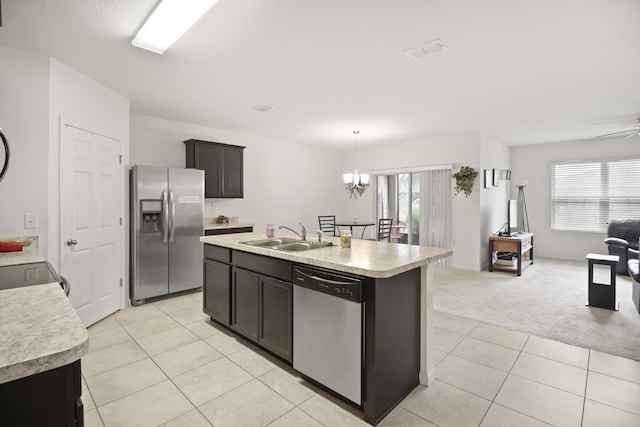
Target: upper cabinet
column 222, row 166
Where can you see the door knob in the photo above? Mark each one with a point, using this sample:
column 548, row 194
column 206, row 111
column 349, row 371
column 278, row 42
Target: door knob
column 72, row 242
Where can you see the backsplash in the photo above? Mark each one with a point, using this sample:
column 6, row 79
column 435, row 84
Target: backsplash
column 214, row 220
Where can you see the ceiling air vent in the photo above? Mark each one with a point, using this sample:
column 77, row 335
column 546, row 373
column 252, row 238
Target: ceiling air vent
column 426, row 49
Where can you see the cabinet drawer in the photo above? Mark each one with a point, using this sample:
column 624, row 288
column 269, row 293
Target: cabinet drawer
column 278, row 268
column 217, row 253
column 502, row 246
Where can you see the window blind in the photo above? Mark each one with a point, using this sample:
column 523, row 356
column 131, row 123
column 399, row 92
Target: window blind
column 585, row 195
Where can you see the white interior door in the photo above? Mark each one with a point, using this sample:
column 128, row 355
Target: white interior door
column 90, row 222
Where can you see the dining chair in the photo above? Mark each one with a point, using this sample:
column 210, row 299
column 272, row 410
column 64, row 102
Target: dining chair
column 384, row 229
column 328, row 225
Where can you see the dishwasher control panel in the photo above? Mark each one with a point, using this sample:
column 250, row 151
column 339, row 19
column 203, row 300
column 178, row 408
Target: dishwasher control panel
column 329, row 283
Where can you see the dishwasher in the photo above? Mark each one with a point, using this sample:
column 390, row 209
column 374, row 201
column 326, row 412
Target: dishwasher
column 327, row 330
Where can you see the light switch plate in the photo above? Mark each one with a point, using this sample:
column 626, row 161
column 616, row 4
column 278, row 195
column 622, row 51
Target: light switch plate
column 30, row 220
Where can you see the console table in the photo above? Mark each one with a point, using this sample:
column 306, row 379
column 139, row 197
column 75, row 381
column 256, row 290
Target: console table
column 521, row 245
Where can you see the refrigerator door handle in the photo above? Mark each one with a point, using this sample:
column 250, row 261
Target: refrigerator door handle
column 172, row 215
column 165, row 216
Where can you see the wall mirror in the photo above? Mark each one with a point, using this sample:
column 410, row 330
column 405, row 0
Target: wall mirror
column 4, row 155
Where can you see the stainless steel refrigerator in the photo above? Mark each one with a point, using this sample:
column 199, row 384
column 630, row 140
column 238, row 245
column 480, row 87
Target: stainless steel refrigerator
column 167, row 220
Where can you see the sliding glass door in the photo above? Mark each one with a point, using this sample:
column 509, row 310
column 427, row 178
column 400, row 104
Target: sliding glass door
column 408, row 212
column 421, row 201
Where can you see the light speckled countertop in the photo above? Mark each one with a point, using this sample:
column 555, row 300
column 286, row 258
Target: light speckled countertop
column 39, row 328
column 365, row 258
column 216, row 226
column 22, row 257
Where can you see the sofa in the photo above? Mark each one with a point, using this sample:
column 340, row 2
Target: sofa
column 622, row 236
column 633, row 266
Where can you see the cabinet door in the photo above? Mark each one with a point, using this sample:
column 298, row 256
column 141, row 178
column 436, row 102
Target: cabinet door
column 208, row 157
column 245, row 303
column 276, row 327
column 232, row 173
column 217, row 290
column 49, row 398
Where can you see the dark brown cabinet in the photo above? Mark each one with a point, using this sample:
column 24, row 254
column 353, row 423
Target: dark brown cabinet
column 49, row 398
column 251, row 294
column 276, row 313
column 262, row 311
column 217, row 283
column 245, row 305
column 222, row 165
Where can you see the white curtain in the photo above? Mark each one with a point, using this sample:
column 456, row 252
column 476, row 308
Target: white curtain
column 383, row 196
column 435, row 210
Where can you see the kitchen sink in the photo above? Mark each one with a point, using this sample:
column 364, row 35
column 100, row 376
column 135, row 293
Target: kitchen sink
column 271, row 242
column 285, row 244
column 299, row 246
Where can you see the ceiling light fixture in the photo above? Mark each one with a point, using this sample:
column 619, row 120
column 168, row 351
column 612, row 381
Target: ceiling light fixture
column 356, row 182
column 168, row 22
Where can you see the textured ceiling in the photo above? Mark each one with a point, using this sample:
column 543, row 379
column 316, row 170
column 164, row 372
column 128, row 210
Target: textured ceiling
column 526, row 72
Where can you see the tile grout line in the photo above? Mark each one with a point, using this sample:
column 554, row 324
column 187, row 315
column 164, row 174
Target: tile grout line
column 586, row 383
column 168, row 378
column 493, row 401
column 174, row 384
column 523, row 351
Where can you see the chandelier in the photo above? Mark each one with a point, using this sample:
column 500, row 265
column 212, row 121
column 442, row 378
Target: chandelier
column 356, row 182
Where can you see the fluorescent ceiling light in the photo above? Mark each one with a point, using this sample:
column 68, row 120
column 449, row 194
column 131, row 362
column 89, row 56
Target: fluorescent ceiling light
column 170, row 20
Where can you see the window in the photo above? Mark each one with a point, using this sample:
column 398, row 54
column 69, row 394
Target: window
column 585, row 195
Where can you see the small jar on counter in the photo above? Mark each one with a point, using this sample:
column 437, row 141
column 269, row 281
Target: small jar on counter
column 271, row 230
column 345, row 239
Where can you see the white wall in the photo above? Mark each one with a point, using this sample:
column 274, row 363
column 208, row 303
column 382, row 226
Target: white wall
column 493, row 201
column 287, row 182
column 24, row 103
column 284, row 183
column 457, row 148
column 532, row 163
column 78, row 100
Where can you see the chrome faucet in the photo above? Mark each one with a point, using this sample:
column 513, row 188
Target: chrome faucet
column 303, row 236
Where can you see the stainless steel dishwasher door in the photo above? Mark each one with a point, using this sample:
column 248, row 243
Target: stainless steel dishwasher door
column 327, row 341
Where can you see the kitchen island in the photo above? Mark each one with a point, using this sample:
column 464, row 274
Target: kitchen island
column 397, row 307
column 41, row 343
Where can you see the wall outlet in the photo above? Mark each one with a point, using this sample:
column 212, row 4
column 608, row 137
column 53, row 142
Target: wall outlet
column 31, row 220
column 30, row 275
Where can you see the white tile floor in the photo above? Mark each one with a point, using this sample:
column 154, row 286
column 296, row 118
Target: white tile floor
column 165, row 363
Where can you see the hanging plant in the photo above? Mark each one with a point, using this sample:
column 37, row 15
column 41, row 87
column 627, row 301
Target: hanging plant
column 464, row 179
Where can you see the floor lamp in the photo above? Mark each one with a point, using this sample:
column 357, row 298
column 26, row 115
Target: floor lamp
column 522, row 202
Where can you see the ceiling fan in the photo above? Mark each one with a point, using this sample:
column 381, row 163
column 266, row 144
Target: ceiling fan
column 631, row 132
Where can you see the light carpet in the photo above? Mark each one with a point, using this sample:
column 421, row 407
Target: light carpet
column 547, row 301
